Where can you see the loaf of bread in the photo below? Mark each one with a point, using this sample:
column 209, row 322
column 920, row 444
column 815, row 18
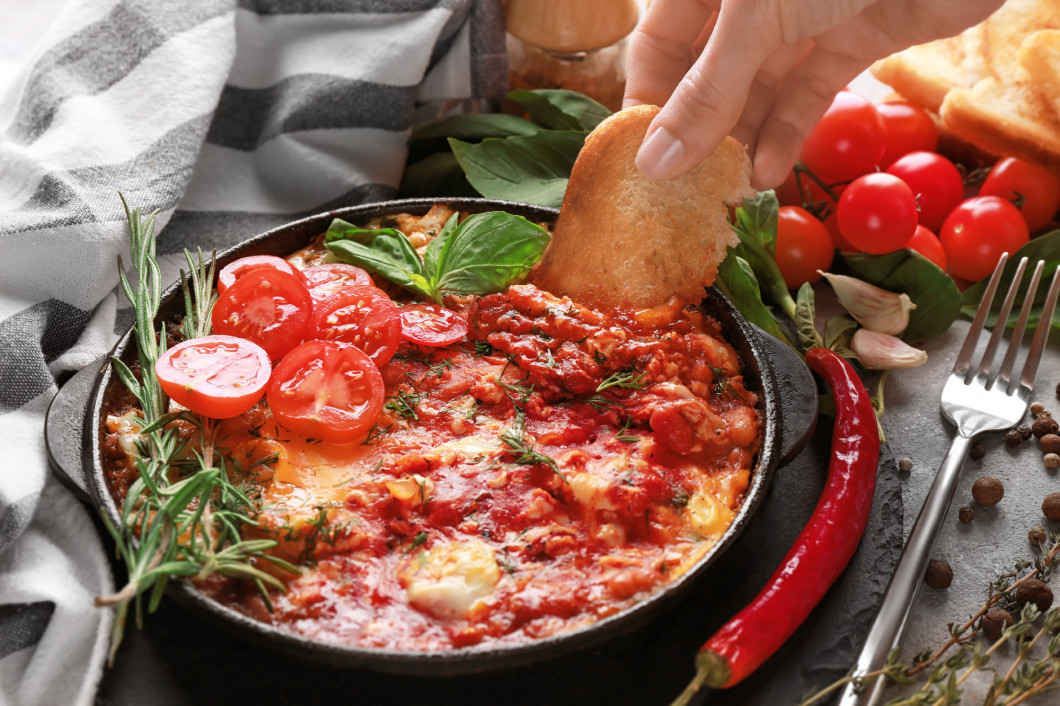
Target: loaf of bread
column 996, row 85
column 624, row 240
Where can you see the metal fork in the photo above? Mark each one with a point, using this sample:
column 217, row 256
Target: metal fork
column 976, row 402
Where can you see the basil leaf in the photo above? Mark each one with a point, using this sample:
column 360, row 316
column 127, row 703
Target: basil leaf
column 529, row 168
column 384, row 251
column 475, row 126
column 560, row 109
column 1045, row 247
column 737, row 280
column 805, row 311
column 758, row 218
column 838, row 331
column 937, row 299
column 435, row 249
column 489, row 251
column 436, row 175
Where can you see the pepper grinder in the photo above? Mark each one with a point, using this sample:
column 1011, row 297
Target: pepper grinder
column 579, row 45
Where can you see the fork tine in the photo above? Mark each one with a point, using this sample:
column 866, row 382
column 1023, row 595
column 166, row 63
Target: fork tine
column 1030, row 368
column 964, row 358
column 1005, row 374
column 999, row 331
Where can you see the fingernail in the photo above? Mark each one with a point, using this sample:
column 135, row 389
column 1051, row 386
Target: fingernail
column 661, row 155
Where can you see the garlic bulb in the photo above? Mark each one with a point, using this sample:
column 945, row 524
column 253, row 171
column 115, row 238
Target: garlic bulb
column 880, row 351
column 874, row 308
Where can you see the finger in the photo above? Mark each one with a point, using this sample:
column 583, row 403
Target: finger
column 709, row 99
column 661, row 48
column 763, row 93
column 803, row 98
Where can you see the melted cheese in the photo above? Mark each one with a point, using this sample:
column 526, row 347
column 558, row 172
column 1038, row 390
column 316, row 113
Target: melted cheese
column 450, row 579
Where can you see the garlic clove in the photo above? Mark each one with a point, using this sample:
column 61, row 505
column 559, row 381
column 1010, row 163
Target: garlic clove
column 881, row 351
column 874, row 308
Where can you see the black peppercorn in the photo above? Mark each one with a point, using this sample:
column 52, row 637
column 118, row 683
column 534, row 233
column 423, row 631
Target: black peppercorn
column 1044, row 425
column 1013, row 438
column 940, row 575
column 1034, row 591
column 1037, row 536
column 994, row 622
column 1025, row 431
column 978, row 451
column 966, row 514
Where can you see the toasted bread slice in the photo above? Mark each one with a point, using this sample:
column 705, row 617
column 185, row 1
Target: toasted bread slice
column 1012, row 119
column 924, row 74
column 1040, row 57
column 624, row 240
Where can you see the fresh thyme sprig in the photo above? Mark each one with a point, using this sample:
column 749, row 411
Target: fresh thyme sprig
column 514, row 438
column 1034, row 669
column 629, row 379
column 173, row 523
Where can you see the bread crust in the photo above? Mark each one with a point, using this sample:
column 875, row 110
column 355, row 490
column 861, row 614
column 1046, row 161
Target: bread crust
column 624, row 240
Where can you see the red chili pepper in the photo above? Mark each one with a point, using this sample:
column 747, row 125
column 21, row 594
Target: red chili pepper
column 820, row 552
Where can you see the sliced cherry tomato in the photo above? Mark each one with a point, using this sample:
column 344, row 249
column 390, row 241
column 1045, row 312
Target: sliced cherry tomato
column 363, row 316
column 847, row 142
column 907, row 128
column 877, row 213
column 804, row 246
column 935, row 181
column 237, row 268
column 432, row 325
column 326, row 390
column 927, row 244
column 325, row 280
column 215, row 376
column 978, row 231
column 1035, row 191
column 266, row 306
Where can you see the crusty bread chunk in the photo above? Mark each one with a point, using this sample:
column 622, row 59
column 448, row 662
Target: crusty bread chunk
column 995, row 84
column 624, row 240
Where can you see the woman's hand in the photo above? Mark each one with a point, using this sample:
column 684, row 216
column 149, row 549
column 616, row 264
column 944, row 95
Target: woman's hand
column 764, row 71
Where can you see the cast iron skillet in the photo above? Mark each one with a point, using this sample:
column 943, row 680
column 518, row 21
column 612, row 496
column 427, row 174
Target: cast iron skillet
column 769, row 368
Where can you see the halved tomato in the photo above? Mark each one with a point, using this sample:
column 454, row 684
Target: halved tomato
column 363, row 316
column 266, row 306
column 325, row 280
column 432, row 325
column 236, row 269
column 215, row 376
column 326, row 390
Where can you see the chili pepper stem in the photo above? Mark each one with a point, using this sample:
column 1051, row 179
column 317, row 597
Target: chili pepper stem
column 711, row 670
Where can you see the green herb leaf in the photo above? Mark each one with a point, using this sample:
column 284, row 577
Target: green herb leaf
column 937, row 299
column 737, row 280
column 384, row 251
column 475, row 126
column 437, row 250
column 838, row 331
column 529, row 168
column 804, row 315
column 758, row 218
column 1045, row 247
column 561, row 109
column 489, row 251
column 435, row 175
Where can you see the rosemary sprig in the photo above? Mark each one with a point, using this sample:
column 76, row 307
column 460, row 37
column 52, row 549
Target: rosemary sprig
column 628, row 379
column 174, row 522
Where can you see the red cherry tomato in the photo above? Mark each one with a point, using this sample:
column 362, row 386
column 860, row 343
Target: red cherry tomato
column 215, row 376
column 236, row 269
column 1035, row 191
column 847, row 142
column 927, row 244
column 326, row 390
column 978, row 231
column 363, row 316
column 266, row 306
column 432, row 325
column 907, row 128
column 831, row 222
column 325, row 280
column 935, row 181
column 877, row 213
column 804, row 246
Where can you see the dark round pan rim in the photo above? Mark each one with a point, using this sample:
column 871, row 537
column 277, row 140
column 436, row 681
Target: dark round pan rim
column 758, row 374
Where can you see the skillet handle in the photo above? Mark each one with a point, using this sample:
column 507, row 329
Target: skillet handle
column 64, row 430
column 797, row 394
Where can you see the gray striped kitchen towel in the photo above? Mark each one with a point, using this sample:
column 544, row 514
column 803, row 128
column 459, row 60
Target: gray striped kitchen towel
column 229, row 118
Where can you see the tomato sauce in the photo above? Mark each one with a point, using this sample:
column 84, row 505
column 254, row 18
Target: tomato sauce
column 557, row 465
